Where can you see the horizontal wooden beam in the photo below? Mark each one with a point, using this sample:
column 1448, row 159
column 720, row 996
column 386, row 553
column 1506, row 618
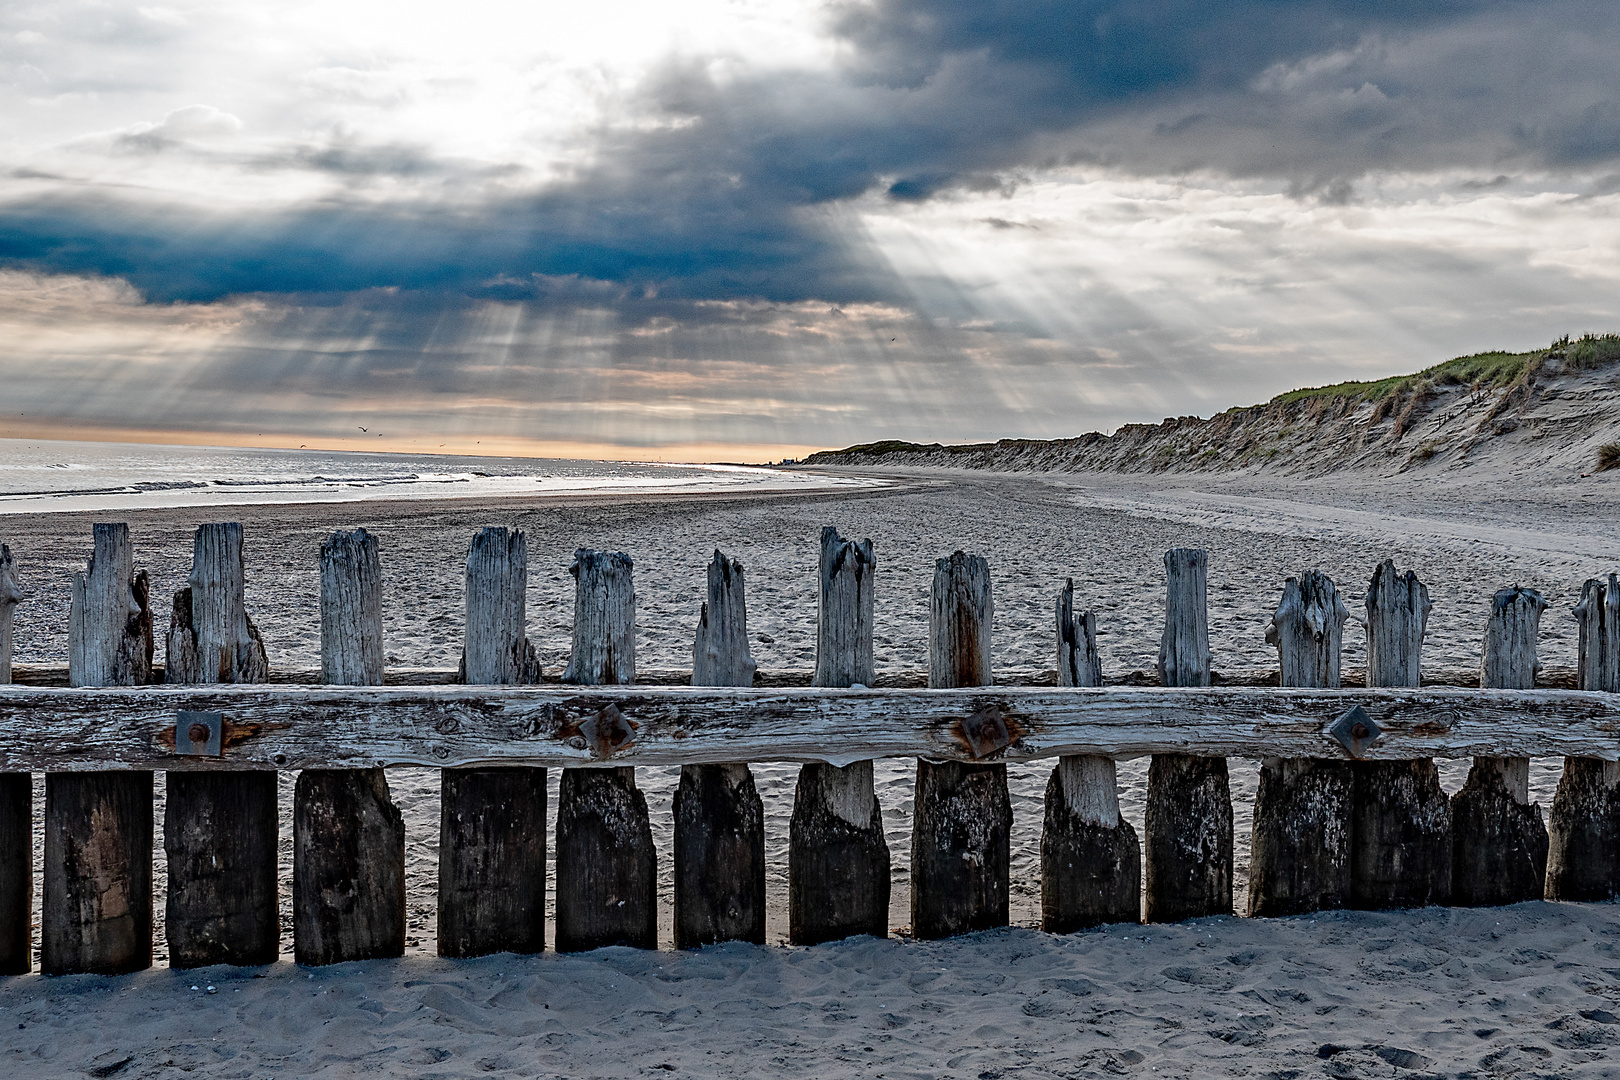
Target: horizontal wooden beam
column 294, row 727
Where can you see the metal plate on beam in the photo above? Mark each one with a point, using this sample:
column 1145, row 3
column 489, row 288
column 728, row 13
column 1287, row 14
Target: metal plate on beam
column 1355, row 730
column 199, row 734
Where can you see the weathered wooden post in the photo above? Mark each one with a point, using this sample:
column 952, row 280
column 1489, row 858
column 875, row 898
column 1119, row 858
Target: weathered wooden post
column 1300, row 852
column 1188, row 819
column 719, row 818
column 492, row 821
column 1584, row 860
column 348, row 837
column 219, row 828
column 97, row 915
column 961, row 831
column 1091, row 861
column 1498, row 843
column 607, row 868
column 838, row 860
column 1400, row 830
column 16, row 812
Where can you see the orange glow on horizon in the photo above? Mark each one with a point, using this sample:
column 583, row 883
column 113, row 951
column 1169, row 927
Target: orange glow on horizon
column 493, row 446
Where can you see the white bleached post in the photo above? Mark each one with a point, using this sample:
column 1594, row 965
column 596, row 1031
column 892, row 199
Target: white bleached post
column 219, row 828
column 1400, row 830
column 1187, row 860
column 1300, row 850
column 1091, row 860
column 838, row 860
column 1584, row 860
column 16, row 812
column 97, row 917
column 719, row 818
column 1498, row 842
column 607, row 868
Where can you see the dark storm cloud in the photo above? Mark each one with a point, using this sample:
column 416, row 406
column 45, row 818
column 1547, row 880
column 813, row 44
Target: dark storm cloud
column 722, row 193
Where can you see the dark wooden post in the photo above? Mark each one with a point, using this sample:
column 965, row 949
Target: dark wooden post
column 492, row 821
column 1091, row 861
column 607, row 868
column 1188, row 819
column 16, row 812
column 1300, row 852
column 219, row 828
column 348, row 837
column 1498, row 843
column 1584, row 860
column 1400, row 831
column 838, row 860
column 97, row 916
column 719, row 818
column 961, row 831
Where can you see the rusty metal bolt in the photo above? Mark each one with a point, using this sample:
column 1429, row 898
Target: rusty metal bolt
column 1360, row 731
column 198, row 733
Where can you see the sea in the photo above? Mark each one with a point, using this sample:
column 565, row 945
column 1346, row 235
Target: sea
column 48, row 476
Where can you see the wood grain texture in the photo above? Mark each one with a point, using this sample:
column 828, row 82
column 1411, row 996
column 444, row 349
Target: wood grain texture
column 219, row 829
column 348, row 837
column 492, row 822
column 1400, row 817
column 1300, row 847
column 1498, row 841
column 11, row 594
column 838, row 859
column 962, row 823
column 295, row 727
column 97, row 913
column 1187, row 858
column 1091, row 859
column 1583, row 860
column 719, row 846
column 607, row 867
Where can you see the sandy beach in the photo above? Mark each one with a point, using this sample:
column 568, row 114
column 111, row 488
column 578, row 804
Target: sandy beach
column 1437, row 978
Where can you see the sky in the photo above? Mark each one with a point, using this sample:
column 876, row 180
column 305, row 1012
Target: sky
column 740, row 229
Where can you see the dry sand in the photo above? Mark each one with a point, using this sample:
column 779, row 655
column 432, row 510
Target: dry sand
column 1416, row 984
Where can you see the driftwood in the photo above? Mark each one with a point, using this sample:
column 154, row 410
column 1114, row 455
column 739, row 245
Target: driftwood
column 1400, row 829
column 1498, row 842
column 298, row 727
column 97, row 914
column 607, row 869
column 16, row 812
column 838, row 860
column 1583, row 862
column 219, row 828
column 492, row 822
column 1091, row 860
column 962, row 825
column 1188, row 859
column 348, row 837
column 1300, row 849
column 719, row 818
column 11, row 594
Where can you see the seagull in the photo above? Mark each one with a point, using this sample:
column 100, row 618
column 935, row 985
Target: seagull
column 362, row 429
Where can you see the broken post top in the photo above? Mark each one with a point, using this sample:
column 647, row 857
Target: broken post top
column 1308, row 630
column 496, row 648
column 1397, row 615
column 11, row 594
column 211, row 639
column 1598, row 613
column 109, row 621
column 1184, row 649
column 720, row 652
column 844, row 615
column 1077, row 661
column 959, row 617
column 351, row 610
column 1508, row 658
column 604, row 650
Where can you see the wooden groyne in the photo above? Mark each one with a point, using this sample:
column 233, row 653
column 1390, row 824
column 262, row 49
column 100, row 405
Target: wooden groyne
column 1349, row 811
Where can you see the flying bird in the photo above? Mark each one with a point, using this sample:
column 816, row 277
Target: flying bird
column 362, row 429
